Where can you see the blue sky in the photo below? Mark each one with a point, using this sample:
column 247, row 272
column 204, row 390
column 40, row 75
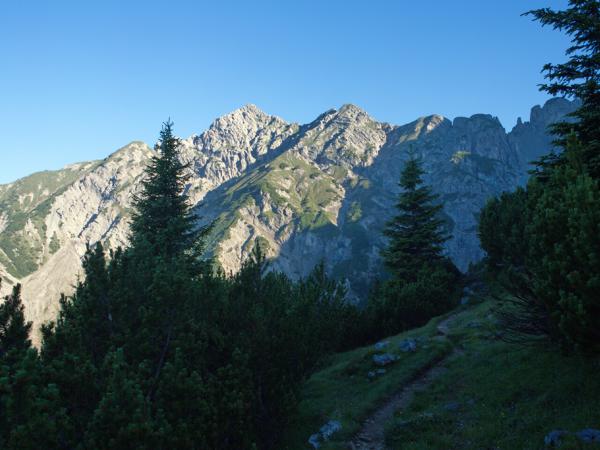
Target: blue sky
column 80, row 79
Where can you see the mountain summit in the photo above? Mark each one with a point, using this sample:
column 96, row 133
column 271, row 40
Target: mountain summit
column 319, row 191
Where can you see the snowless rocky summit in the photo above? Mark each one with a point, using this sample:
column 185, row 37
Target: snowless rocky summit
column 306, row 193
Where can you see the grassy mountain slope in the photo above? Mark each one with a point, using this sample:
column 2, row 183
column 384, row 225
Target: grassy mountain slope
column 487, row 394
column 24, row 206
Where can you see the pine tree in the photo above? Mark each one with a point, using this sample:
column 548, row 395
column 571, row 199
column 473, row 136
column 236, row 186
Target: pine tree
column 579, row 78
column 85, row 319
column 415, row 234
column 14, row 330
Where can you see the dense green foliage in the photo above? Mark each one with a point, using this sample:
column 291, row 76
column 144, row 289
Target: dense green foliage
column 415, row 233
column 423, row 281
column 545, row 240
column 14, row 330
column 564, row 255
column 16, row 360
column 501, row 226
column 156, row 351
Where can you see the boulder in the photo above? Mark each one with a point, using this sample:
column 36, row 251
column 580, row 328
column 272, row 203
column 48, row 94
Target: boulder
column 589, row 435
column 315, row 440
column 408, row 345
column 375, row 373
column 554, row 438
column 384, row 359
column 324, row 433
column 381, row 345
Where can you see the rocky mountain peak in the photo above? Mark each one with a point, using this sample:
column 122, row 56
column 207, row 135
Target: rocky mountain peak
column 246, row 119
column 478, row 121
column 134, row 151
column 352, row 111
column 348, row 136
column 232, row 144
column 531, row 139
column 317, row 191
column 430, row 123
column 550, row 112
column 249, row 109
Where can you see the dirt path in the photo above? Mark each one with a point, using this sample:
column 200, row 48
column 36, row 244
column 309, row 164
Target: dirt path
column 372, row 436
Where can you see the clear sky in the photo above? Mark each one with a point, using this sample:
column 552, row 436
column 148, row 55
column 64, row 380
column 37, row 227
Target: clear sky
column 80, row 79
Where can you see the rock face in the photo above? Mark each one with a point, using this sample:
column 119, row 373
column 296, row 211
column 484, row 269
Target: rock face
column 323, row 190
column 531, row 139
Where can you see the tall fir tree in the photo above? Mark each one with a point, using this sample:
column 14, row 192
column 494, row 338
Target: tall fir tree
column 163, row 259
column 416, row 235
column 423, row 282
column 162, row 218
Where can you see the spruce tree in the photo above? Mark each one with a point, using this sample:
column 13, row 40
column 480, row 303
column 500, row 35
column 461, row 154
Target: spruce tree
column 416, row 235
column 162, row 218
column 14, row 330
column 578, row 78
column 162, row 261
column 423, row 282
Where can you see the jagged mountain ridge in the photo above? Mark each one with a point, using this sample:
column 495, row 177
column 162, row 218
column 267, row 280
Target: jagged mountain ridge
column 307, row 192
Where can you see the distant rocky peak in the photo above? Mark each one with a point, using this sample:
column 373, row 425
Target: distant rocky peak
column 552, row 111
column 348, row 136
column 532, row 139
column 245, row 130
column 353, row 112
column 248, row 118
column 135, row 150
column 418, row 129
column 478, row 121
column 428, row 124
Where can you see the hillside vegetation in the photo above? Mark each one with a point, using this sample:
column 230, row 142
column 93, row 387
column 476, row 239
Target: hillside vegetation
column 160, row 347
column 490, row 394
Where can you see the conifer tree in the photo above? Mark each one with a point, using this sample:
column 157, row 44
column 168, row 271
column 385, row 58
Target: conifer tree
column 578, row 78
column 552, row 274
column 162, row 217
column 163, row 259
column 423, row 282
column 16, row 357
column 415, row 234
column 14, row 330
